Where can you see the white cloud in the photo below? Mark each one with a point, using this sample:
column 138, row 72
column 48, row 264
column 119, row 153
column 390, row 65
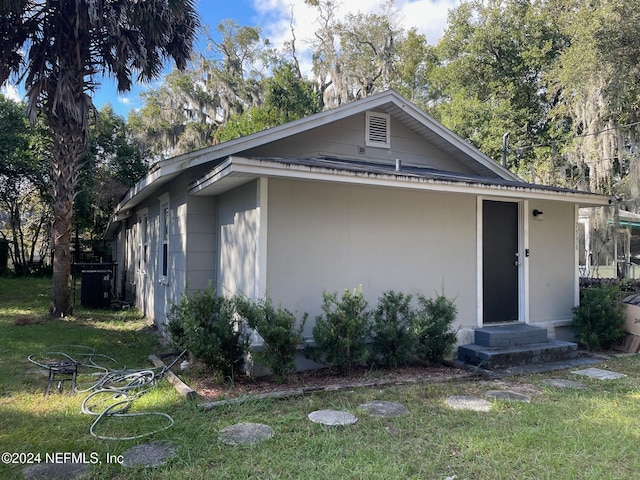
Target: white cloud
column 429, row 17
column 124, row 100
column 12, row 92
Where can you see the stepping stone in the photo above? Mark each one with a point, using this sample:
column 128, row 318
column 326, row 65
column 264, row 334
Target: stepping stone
column 245, row 434
column 152, row 454
column 525, row 389
column 332, row 417
column 562, row 383
column 508, row 396
column 56, row 471
column 599, row 374
column 464, row 402
column 380, row 408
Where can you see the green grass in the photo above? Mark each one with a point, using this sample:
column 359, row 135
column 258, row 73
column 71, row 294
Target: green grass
column 562, row 434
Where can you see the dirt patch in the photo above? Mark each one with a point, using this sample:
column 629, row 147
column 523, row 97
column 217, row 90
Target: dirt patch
column 211, row 389
column 22, row 321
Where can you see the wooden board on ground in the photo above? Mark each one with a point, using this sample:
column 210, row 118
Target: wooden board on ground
column 182, row 388
column 629, row 344
column 632, row 315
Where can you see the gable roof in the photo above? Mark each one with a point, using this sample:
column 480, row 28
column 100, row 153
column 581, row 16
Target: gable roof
column 400, row 109
column 389, row 102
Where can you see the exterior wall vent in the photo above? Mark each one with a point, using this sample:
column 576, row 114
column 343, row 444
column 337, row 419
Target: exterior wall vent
column 378, row 130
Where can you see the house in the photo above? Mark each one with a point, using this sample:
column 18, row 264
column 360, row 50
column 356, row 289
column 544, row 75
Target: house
column 609, row 243
column 374, row 193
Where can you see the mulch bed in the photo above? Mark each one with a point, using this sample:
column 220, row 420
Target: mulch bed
column 211, row 389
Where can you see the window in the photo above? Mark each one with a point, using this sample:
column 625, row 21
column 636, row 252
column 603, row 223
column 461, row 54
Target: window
column 143, row 235
column 164, row 225
column 164, row 236
column 378, row 130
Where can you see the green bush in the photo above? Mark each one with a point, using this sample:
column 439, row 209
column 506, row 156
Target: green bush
column 277, row 327
column 598, row 320
column 392, row 335
column 433, row 320
column 341, row 333
column 204, row 324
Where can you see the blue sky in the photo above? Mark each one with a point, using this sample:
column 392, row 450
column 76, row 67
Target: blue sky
column 211, row 12
column 273, row 17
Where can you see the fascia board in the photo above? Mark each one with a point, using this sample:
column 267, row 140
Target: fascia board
column 148, row 181
column 215, row 175
column 245, row 166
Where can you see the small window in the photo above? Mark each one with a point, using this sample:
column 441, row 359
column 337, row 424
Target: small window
column 143, row 257
column 163, row 231
column 164, row 255
column 378, row 130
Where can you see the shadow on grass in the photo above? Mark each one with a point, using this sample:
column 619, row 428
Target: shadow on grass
column 54, row 425
column 33, row 423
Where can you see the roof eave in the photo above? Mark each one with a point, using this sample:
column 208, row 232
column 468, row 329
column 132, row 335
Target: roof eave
column 236, row 170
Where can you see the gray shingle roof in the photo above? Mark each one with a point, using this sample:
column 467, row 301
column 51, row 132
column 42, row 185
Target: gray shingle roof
column 409, row 171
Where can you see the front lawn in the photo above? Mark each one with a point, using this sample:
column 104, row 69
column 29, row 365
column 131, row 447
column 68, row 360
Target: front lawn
column 562, row 434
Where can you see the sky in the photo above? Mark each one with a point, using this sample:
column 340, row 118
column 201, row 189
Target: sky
column 273, row 17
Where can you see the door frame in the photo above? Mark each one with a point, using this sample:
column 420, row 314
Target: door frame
column 523, row 248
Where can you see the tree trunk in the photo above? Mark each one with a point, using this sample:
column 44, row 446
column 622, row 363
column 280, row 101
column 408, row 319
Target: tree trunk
column 61, row 305
column 70, row 145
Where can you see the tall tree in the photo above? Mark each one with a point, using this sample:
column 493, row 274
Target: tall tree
column 356, row 56
column 176, row 116
column 490, row 77
column 115, row 162
column 287, row 98
column 414, row 62
column 59, row 48
column 184, row 112
column 368, row 50
column 24, row 204
column 597, row 81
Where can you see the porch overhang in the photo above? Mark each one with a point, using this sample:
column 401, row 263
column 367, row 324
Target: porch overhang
column 235, row 171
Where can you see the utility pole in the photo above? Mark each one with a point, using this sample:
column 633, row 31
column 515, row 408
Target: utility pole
column 505, row 140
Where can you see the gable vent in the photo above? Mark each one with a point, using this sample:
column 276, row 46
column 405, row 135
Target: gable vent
column 378, row 130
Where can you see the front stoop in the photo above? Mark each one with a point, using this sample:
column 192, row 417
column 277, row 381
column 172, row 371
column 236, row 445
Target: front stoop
column 505, row 346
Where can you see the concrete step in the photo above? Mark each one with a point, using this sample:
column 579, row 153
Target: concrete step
column 492, row 358
column 510, row 335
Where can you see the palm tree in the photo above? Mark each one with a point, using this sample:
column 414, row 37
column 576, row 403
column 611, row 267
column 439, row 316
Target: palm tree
column 59, row 49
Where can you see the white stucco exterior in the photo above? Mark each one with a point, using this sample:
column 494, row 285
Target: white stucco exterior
column 326, row 237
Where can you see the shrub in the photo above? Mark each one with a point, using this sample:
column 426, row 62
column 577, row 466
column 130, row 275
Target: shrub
column 341, row 333
column 277, row 327
column 393, row 338
column 204, row 324
column 598, row 320
column 434, row 317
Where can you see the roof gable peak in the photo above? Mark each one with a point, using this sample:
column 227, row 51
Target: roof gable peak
column 388, row 102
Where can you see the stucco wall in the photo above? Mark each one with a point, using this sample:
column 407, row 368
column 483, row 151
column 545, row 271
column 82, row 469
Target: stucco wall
column 552, row 266
column 324, row 237
column 238, row 229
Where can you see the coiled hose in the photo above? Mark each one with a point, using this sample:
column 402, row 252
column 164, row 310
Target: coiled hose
column 113, row 391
